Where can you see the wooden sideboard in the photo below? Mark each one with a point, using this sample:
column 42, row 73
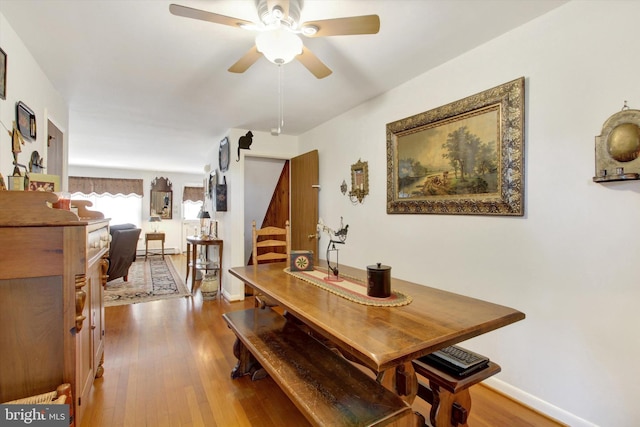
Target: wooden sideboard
column 53, row 265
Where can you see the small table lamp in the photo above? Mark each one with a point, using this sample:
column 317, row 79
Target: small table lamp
column 204, row 216
column 156, row 222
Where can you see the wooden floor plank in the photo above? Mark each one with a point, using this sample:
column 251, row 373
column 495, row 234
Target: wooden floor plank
column 168, row 363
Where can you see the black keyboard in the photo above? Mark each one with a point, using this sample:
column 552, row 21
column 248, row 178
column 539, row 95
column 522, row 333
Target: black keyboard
column 456, row 360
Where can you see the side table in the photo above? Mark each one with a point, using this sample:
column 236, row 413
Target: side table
column 192, row 258
column 153, row 236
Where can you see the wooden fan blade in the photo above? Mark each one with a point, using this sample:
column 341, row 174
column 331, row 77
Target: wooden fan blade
column 313, row 64
column 203, row 15
column 367, row 24
column 247, row 60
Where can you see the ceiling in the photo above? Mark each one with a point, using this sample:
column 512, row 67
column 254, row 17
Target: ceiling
column 150, row 90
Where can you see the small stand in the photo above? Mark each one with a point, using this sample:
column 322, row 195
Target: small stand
column 338, row 237
column 333, row 272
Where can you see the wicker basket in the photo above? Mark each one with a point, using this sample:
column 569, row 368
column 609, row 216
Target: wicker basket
column 62, row 395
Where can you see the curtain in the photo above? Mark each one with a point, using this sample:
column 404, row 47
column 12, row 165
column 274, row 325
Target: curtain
column 88, row 185
column 193, row 194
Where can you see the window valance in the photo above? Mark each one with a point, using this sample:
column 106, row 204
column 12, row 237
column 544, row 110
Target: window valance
column 88, row 185
column 193, row 194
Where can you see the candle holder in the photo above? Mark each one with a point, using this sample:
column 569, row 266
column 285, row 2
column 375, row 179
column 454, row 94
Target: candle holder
column 359, row 182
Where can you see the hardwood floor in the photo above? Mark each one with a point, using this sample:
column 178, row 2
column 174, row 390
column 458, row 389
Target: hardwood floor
column 168, row 363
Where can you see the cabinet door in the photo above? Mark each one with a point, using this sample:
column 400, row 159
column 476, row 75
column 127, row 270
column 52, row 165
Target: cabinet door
column 84, row 368
column 97, row 273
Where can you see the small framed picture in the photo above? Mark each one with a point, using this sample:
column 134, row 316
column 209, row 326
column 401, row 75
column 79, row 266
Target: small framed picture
column 26, row 121
column 44, row 182
column 3, row 74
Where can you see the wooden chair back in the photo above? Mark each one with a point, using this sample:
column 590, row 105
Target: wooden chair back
column 269, row 242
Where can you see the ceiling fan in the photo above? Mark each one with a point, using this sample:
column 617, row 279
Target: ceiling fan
column 279, row 29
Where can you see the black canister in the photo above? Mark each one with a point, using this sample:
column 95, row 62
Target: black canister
column 379, row 281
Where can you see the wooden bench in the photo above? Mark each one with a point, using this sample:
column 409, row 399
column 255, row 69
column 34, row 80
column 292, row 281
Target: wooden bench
column 325, row 387
column 448, row 394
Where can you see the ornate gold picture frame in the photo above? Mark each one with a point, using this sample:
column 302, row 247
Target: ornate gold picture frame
column 464, row 158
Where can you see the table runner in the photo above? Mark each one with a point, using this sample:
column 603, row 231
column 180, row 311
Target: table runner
column 350, row 288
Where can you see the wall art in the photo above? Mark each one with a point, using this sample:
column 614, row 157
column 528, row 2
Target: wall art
column 26, row 120
column 3, row 75
column 466, row 157
column 44, row 182
column 221, row 195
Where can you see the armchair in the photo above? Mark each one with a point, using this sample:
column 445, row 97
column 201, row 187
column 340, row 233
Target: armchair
column 122, row 252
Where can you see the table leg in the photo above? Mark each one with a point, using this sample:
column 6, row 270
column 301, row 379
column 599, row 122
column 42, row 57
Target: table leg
column 186, row 279
column 220, row 269
column 448, row 409
column 162, row 248
column 193, row 265
column 146, row 249
column 402, row 380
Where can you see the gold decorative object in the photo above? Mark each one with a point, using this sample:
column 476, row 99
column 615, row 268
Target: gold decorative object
column 618, row 147
column 359, row 181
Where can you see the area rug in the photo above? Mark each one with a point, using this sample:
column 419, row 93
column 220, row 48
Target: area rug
column 150, row 280
column 351, row 288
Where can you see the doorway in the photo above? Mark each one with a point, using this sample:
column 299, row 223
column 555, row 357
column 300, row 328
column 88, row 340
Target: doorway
column 261, row 178
column 289, row 190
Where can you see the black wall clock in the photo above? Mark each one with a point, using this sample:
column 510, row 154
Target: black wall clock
column 223, row 155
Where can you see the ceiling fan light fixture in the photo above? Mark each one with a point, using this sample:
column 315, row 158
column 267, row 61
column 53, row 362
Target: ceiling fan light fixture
column 279, row 46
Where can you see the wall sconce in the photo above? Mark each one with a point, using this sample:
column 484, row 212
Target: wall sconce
column 359, row 182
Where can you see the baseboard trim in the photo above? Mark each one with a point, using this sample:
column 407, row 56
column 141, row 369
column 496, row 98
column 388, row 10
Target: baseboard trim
column 536, row 404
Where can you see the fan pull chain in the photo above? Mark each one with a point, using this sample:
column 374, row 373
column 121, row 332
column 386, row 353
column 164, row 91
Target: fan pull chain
column 281, row 85
column 276, row 131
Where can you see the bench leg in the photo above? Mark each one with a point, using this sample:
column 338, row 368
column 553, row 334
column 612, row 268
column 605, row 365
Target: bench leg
column 448, row 409
column 247, row 364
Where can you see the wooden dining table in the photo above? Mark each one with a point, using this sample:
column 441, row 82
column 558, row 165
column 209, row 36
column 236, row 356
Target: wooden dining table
column 384, row 339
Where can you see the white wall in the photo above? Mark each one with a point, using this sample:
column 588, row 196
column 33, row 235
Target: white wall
column 27, row 83
column 232, row 222
column 571, row 262
column 171, row 227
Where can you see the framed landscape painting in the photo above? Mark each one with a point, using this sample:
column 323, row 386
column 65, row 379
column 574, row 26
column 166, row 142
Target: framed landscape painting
column 466, row 157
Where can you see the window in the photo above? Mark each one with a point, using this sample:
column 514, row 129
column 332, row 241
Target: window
column 119, row 199
column 190, row 209
column 192, row 201
column 121, row 209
